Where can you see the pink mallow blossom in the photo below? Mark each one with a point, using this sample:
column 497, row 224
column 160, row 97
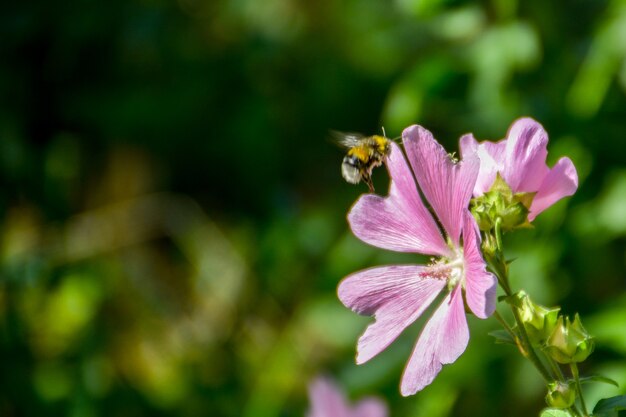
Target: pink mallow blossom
column 398, row 294
column 327, row 400
column 521, row 161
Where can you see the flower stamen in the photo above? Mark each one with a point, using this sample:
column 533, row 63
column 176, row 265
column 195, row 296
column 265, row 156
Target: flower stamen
column 442, row 269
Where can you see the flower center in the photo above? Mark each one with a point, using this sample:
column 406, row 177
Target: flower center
column 450, row 270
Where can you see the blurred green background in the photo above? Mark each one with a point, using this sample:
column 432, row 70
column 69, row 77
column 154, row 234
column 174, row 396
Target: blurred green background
column 172, row 215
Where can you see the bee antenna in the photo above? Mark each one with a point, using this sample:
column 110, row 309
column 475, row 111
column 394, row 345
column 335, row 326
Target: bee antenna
column 383, row 128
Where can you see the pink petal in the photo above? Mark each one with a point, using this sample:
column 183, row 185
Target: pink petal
column 399, row 222
column 395, row 295
column 442, row 341
column 370, row 407
column 447, row 186
column 491, row 155
column 561, row 181
column 468, row 145
column 525, row 160
column 326, row 399
column 480, row 285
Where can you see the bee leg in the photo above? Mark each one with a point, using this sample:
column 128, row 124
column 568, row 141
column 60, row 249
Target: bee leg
column 370, row 184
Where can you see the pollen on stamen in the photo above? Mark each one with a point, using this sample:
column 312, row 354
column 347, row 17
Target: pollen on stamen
column 437, row 270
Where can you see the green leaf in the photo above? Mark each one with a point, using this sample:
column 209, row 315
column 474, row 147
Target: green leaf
column 608, row 407
column 612, row 413
column 502, row 337
column 598, row 378
column 555, row 412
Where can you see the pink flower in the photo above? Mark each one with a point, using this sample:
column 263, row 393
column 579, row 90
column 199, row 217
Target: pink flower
column 327, row 400
column 521, row 161
column 397, row 295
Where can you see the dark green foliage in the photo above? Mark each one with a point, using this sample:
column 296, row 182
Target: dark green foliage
column 172, row 215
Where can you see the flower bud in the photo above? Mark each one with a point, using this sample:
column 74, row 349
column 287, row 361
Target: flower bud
column 560, row 395
column 538, row 320
column 569, row 341
column 500, row 202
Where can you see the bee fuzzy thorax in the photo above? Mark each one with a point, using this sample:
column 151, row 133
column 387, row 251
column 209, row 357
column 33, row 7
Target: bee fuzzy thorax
column 362, row 153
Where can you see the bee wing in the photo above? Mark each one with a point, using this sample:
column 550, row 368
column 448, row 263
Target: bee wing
column 346, row 139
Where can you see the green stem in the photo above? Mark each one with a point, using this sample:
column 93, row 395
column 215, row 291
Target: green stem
column 555, row 368
column 498, row 230
column 497, row 265
column 574, row 368
column 533, row 358
column 574, row 410
column 501, row 273
column 505, row 324
column 559, row 374
column 529, row 351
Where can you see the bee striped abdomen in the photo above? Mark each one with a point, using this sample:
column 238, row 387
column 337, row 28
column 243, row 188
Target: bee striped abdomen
column 351, row 169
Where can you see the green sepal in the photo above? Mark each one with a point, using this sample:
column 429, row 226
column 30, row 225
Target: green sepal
column 525, row 198
column 500, row 203
column 500, row 186
column 539, row 321
column 569, row 341
column 561, row 395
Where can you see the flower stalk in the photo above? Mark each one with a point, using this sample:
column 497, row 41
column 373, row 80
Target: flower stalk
column 579, row 391
column 500, row 270
column 553, row 375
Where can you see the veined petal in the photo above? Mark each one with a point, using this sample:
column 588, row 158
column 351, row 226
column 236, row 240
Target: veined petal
column 480, row 285
column 370, row 407
column 396, row 295
column 447, row 185
column 525, row 160
column 326, row 399
column 442, row 341
column 561, row 181
column 491, row 156
column 400, row 221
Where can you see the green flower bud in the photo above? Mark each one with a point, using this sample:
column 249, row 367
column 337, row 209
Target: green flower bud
column 560, row 395
column 569, row 341
column 482, row 212
column 500, row 202
column 539, row 321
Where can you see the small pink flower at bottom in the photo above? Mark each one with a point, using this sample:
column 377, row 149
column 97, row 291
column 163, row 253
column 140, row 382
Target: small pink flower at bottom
column 327, row 400
column 397, row 295
column 521, row 161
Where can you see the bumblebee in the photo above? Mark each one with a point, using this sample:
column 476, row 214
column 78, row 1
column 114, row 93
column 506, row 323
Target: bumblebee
column 364, row 154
